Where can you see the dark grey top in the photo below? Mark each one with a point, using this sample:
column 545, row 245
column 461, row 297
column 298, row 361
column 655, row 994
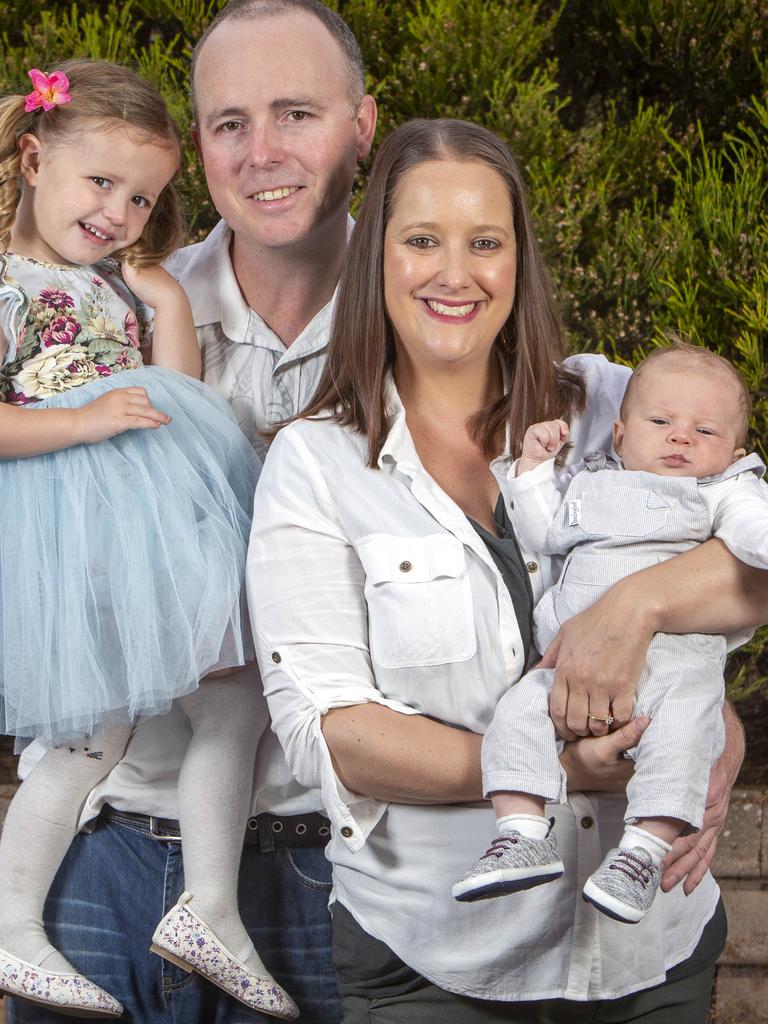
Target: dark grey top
column 505, row 552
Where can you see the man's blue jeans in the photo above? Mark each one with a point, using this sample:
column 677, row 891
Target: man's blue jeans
column 117, row 882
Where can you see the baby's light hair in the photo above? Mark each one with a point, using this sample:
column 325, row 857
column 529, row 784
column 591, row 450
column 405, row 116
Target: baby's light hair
column 103, row 96
column 700, row 358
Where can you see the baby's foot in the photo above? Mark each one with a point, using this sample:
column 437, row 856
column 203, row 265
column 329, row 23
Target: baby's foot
column 512, row 863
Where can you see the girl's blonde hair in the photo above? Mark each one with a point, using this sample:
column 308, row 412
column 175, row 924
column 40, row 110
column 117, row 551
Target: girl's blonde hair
column 102, row 94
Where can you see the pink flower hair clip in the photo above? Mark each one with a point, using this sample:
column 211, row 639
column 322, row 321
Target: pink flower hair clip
column 49, row 90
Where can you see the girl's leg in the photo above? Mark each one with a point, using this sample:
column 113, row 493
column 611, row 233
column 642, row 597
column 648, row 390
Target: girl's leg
column 41, row 822
column 228, row 716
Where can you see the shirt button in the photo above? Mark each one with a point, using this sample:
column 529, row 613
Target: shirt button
column 587, row 822
column 405, row 567
column 346, row 831
column 276, row 657
column 532, row 566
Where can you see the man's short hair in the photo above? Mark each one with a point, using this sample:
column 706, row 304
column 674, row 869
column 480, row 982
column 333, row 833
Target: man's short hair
column 250, row 10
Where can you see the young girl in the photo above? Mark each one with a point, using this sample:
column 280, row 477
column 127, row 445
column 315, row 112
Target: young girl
column 126, row 495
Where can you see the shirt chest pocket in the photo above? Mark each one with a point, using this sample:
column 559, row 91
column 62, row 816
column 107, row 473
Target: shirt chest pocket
column 419, row 600
column 623, row 512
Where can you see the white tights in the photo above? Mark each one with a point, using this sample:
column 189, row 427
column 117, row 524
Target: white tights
column 227, row 716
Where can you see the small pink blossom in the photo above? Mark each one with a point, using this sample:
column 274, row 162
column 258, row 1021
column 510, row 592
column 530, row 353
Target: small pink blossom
column 62, row 331
column 124, row 359
column 97, row 281
column 55, row 298
column 104, row 371
column 131, row 328
column 49, row 90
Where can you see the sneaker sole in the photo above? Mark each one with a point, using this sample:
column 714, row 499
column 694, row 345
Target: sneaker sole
column 505, row 881
column 610, row 906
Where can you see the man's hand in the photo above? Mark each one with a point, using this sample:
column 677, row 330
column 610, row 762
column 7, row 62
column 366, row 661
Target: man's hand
column 597, row 764
column 691, row 856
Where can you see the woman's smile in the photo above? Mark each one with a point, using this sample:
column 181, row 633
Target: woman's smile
column 449, row 262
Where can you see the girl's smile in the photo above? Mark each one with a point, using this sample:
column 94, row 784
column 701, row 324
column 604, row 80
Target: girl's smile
column 87, row 200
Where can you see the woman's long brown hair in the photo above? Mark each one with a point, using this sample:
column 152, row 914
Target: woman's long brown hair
column 361, row 349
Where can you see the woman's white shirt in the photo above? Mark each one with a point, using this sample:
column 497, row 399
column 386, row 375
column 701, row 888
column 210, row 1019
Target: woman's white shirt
column 371, row 585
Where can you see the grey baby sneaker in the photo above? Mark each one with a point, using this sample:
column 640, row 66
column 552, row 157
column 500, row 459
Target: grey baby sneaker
column 513, row 862
column 625, row 884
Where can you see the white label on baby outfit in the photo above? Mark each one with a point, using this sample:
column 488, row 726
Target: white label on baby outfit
column 573, row 511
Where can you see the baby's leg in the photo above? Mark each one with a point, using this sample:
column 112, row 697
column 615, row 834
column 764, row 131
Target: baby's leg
column 521, row 770
column 681, row 690
column 42, row 821
column 521, row 764
column 227, row 715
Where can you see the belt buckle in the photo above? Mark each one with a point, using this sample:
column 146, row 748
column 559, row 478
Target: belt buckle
column 156, row 833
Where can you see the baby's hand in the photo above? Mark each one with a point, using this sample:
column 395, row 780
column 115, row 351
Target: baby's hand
column 114, row 413
column 152, row 285
column 542, row 442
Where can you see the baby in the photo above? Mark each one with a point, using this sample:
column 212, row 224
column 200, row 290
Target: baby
column 684, row 477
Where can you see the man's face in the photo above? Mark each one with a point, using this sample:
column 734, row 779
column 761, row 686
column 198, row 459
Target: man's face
column 277, row 134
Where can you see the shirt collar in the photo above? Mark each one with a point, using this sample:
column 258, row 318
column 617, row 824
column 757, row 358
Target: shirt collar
column 398, row 448
column 209, row 279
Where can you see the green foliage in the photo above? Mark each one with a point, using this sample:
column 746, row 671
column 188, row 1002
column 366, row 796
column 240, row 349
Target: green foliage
column 641, row 126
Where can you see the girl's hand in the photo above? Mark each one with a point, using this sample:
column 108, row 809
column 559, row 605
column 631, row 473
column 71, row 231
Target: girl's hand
column 153, row 285
column 174, row 341
column 114, row 413
column 542, row 442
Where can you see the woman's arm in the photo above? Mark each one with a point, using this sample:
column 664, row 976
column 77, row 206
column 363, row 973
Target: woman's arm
column 174, row 341
column 399, row 758
column 598, row 655
column 414, row 760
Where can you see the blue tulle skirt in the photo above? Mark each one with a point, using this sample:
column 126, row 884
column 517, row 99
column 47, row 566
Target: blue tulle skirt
column 122, row 563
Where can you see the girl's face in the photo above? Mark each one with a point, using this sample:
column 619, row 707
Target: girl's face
column 87, row 199
column 449, row 263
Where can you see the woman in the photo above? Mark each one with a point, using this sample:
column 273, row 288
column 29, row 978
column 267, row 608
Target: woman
column 397, row 610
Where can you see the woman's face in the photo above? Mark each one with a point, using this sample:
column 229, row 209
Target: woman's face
column 449, row 263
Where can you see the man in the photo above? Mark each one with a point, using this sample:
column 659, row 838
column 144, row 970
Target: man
column 281, row 120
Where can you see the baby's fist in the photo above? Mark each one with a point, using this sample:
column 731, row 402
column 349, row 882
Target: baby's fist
column 542, row 441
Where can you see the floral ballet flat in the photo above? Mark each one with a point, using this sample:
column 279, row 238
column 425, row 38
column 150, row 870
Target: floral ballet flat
column 183, row 938
column 68, row 993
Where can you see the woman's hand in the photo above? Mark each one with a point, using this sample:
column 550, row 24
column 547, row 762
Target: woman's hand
column 117, row 411
column 597, row 657
column 692, row 855
column 597, row 764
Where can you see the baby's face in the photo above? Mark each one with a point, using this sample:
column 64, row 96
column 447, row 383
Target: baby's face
column 680, row 422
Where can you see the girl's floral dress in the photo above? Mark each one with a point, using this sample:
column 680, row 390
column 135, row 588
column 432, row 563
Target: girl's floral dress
column 71, row 325
column 121, row 563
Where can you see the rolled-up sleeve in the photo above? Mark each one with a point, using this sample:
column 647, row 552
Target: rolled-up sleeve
column 310, row 624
